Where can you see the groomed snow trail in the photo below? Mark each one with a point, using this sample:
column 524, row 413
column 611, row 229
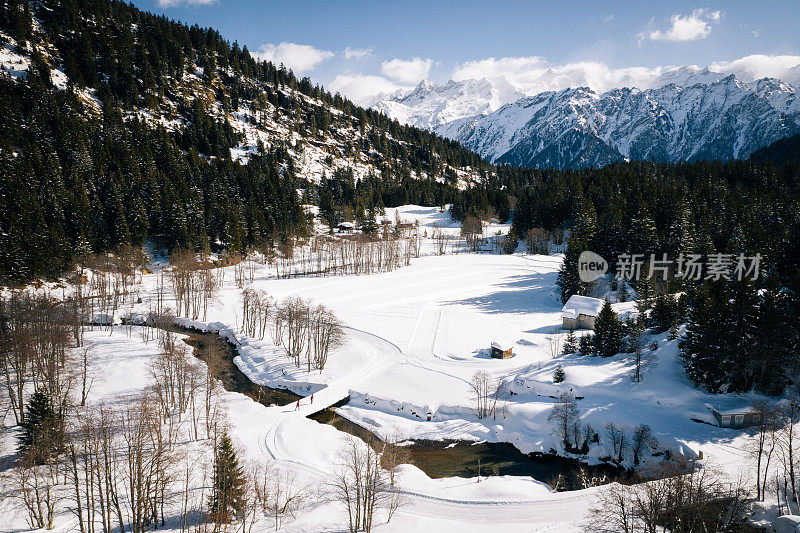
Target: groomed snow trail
column 382, row 354
column 277, row 443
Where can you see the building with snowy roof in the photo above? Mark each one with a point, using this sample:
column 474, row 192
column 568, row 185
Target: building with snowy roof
column 502, row 350
column 580, row 312
column 735, row 418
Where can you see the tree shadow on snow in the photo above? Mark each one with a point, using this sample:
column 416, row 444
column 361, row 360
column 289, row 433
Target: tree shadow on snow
column 530, row 293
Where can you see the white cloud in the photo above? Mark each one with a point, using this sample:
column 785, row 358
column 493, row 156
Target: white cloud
column 407, row 71
column 300, row 58
column 362, row 89
column 534, row 74
column 174, row 3
column 757, row 66
column 691, row 27
column 356, row 53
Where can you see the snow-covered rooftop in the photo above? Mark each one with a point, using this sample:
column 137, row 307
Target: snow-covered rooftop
column 581, row 305
column 737, row 411
column 500, row 345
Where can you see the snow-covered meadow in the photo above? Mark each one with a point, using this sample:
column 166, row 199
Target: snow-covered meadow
column 414, row 339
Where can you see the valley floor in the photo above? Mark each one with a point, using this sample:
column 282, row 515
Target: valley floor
column 414, row 339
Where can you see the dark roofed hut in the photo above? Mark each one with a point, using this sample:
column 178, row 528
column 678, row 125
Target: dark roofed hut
column 501, row 350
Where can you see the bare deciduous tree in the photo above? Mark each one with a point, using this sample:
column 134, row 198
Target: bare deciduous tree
column 679, row 499
column 487, row 391
column 361, row 486
column 767, row 424
column 563, row 417
column 618, row 438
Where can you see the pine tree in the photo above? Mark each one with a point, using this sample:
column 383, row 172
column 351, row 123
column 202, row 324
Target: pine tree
column 228, row 484
column 644, row 295
column 570, row 343
column 559, row 376
column 569, row 282
column 623, row 294
column 608, row 332
column 41, row 434
column 701, row 349
column 665, row 313
column 587, row 346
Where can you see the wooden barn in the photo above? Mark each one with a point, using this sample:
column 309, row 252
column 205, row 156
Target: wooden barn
column 501, row 350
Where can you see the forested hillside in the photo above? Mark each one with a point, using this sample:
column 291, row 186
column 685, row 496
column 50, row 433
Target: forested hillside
column 786, row 150
column 741, row 334
column 118, row 126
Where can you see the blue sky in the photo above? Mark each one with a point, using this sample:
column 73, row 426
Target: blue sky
column 362, row 47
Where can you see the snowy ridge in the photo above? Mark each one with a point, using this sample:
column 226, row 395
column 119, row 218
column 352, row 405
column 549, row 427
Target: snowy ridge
column 430, row 105
column 689, row 114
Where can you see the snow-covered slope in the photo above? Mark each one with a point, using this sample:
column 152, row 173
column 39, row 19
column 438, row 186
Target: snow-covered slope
column 696, row 114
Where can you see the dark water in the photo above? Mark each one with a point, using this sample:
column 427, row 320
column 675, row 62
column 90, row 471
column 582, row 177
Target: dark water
column 436, row 458
column 451, row 458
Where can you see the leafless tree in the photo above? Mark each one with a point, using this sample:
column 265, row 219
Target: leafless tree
column 38, row 489
column 487, row 391
column 555, row 342
column 472, row 231
column 282, row 495
column 538, row 241
column 325, row 333
column 295, row 316
column 790, row 413
column 360, row 485
column 678, row 499
column 85, row 360
column 767, row 424
column 618, row 438
column 642, row 440
column 563, row 417
column 393, row 453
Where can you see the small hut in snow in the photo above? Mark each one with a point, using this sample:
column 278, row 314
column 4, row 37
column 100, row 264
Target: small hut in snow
column 346, row 227
column 734, row 418
column 501, row 350
column 580, row 312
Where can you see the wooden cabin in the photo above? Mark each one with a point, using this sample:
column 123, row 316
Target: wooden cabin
column 501, row 350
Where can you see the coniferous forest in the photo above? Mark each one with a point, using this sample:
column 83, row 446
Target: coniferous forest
column 75, row 182
column 740, row 334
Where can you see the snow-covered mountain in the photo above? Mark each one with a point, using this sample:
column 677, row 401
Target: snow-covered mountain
column 429, row 105
column 696, row 114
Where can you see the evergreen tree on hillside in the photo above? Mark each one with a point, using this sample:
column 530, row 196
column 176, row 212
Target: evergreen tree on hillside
column 571, row 344
column 701, row 349
column 665, row 313
column 42, row 432
column 568, row 281
column 559, row 375
column 228, row 485
column 645, row 292
column 608, row 332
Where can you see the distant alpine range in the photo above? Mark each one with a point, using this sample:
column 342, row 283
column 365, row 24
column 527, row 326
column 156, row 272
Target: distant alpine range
column 688, row 114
